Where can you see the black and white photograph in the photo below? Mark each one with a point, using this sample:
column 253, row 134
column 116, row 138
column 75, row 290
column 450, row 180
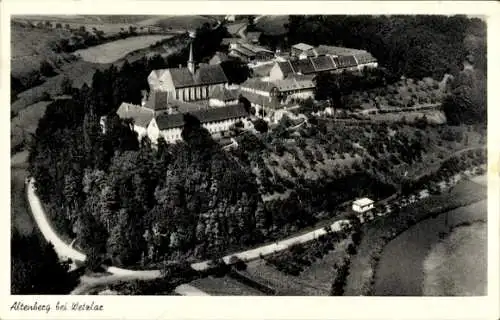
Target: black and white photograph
column 248, row 155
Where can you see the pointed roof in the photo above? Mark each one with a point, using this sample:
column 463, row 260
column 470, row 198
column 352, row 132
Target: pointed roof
column 191, row 59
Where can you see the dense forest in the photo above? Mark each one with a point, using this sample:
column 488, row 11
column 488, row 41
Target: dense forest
column 35, row 267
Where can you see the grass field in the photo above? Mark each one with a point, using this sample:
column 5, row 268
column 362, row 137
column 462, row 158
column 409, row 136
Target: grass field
column 272, row 25
column 31, row 46
column 457, row 266
column 112, row 51
column 26, row 122
column 79, row 72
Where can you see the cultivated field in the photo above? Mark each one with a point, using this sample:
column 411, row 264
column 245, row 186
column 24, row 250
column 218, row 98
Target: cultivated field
column 177, row 22
column 112, row 51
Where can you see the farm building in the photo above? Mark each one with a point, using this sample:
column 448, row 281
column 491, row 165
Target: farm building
column 362, row 205
column 250, row 53
column 188, row 83
column 312, row 66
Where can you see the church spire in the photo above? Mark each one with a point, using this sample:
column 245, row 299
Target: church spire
column 190, row 64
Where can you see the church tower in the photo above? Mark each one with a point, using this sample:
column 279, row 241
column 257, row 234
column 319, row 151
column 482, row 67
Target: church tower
column 190, row 64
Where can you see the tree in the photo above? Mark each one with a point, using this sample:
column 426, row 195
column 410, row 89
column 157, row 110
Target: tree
column 328, row 88
column 260, row 125
column 35, row 268
column 236, row 70
column 66, row 85
column 467, row 102
column 46, row 69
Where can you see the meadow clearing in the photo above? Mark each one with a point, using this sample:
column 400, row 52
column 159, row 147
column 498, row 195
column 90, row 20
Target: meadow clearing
column 112, row 51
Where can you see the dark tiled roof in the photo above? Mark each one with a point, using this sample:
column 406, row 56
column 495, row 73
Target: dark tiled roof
column 141, row 116
column 345, row 61
column 323, row 63
column 157, row 100
column 262, row 70
column 295, row 83
column 303, row 66
column 286, row 67
column 182, row 77
column 224, row 94
column 210, row 74
column 185, row 107
column 257, row 84
column 205, row 75
column 169, row 121
column 261, row 100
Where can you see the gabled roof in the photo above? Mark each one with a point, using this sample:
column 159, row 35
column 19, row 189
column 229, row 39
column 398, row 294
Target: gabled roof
column 210, row 74
column 304, row 66
column 257, row 84
column 262, row 70
column 261, row 100
column 224, row 94
column 285, row 67
column 170, row 121
column 302, row 46
column 141, row 116
column 295, row 82
column 345, row 61
column 204, row 75
column 182, row 77
column 323, row 63
column 157, row 100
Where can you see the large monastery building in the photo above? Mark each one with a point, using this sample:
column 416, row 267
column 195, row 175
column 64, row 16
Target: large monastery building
column 188, row 83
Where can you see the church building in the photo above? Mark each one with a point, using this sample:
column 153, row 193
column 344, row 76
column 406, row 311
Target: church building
column 188, row 83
